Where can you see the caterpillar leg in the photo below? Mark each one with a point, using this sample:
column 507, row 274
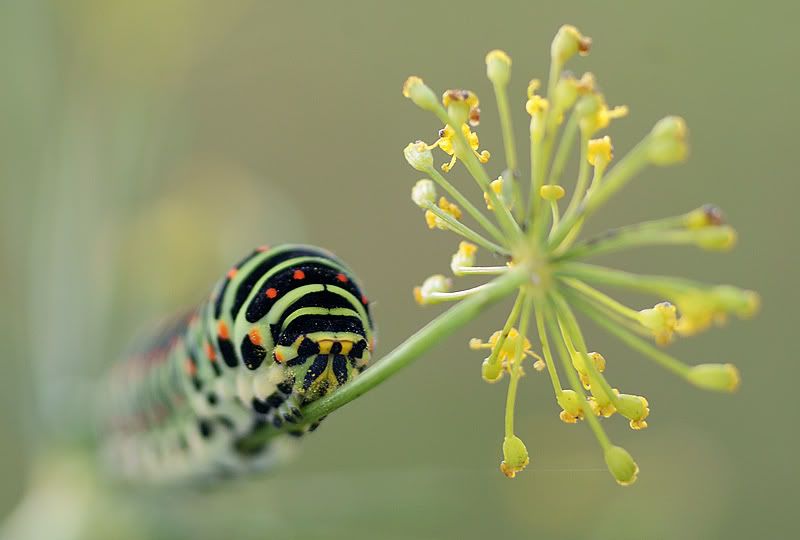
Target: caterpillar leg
column 288, row 412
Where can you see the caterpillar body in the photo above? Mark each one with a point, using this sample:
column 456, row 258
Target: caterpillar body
column 282, row 328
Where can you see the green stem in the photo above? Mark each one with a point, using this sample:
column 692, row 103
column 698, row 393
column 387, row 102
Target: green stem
column 664, row 286
column 555, row 213
column 564, row 149
column 588, row 414
column 516, row 371
column 579, row 299
column 479, row 270
column 616, row 178
column 628, row 237
column 548, row 355
column 510, row 185
column 541, row 164
column 572, row 235
column 476, row 214
column 470, row 161
column 622, row 173
column 533, row 197
column 573, row 335
column 583, row 178
column 507, row 128
column 405, row 353
column 512, row 318
column 437, row 297
column 602, row 298
column 458, row 227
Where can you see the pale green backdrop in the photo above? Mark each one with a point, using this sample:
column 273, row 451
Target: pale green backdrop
column 148, row 144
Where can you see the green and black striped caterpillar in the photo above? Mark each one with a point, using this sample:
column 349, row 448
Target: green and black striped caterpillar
column 282, row 328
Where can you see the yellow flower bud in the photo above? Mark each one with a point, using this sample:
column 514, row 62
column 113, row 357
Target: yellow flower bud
column 579, row 363
column 533, row 86
column 449, row 208
column 509, row 349
column 588, row 105
column 497, row 187
column 601, row 402
column 423, row 193
column 697, row 309
column 721, row 238
column 464, row 257
column 515, row 456
column 741, row 302
column 566, row 92
column 621, row 465
column 417, row 91
column 551, row 192
column 436, row 222
column 537, row 105
column 419, row 156
column 668, row 141
column 434, row 284
column 634, row 408
column 459, row 103
column 594, row 114
column 567, row 43
column 433, row 221
column 704, row 216
column 600, row 151
column 662, row 320
column 468, row 97
column 598, row 360
column 491, row 372
column 586, row 84
column 498, row 67
column 717, row 377
column 572, row 410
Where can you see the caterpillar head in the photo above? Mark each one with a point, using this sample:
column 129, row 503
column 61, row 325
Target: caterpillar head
column 322, row 361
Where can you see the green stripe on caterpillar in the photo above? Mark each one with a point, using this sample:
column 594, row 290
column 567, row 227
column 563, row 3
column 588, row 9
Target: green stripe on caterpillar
column 282, row 328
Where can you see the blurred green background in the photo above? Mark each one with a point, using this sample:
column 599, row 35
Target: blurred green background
column 147, row 145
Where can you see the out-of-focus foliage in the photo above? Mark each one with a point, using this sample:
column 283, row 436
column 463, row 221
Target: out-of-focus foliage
column 144, row 146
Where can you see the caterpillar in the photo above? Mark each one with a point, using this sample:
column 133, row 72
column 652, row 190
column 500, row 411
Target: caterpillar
column 282, row 328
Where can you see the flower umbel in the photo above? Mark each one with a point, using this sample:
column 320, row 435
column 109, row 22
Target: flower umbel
column 543, row 240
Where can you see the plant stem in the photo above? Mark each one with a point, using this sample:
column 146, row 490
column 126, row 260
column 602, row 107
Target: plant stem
column 516, row 370
column 507, row 128
column 548, row 355
column 458, row 227
column 588, row 414
column 405, row 353
column 603, row 299
column 512, row 318
column 476, row 214
column 658, row 285
column 564, row 149
column 580, row 300
column 583, row 178
column 616, row 178
column 628, row 237
column 479, row 270
column 437, row 297
column 573, row 336
column 470, row 161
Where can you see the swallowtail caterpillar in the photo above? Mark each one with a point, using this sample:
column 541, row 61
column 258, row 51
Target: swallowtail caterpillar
column 282, row 328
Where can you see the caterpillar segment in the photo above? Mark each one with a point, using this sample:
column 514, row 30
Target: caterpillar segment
column 282, row 328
